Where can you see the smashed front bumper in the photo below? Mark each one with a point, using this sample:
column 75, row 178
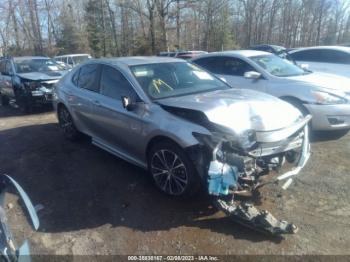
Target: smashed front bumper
column 227, row 178
column 44, row 93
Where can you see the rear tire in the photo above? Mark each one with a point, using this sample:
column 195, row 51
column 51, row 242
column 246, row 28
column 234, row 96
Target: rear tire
column 172, row 171
column 67, row 125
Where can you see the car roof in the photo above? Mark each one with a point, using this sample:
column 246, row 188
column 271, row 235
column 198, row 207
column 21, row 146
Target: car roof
column 267, row 45
column 138, row 60
column 72, row 55
column 18, row 58
column 236, row 53
column 339, row 48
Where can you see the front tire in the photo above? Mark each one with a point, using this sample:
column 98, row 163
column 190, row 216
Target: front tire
column 24, row 102
column 172, row 171
column 67, row 125
column 5, row 101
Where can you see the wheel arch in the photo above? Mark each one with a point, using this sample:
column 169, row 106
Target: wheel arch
column 157, row 139
column 298, row 103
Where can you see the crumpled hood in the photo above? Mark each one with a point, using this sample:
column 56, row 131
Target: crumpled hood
column 239, row 109
column 329, row 82
column 37, row 76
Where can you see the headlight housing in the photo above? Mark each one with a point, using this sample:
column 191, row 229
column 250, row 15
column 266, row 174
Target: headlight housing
column 32, row 85
column 325, row 98
column 245, row 140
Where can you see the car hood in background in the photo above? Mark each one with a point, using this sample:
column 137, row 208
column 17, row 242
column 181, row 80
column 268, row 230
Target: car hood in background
column 326, row 81
column 239, row 109
column 37, row 76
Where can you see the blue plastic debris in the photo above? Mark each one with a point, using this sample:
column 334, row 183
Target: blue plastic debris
column 221, row 177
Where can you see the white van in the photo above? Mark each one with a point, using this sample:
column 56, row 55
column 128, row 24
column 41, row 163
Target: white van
column 72, row 59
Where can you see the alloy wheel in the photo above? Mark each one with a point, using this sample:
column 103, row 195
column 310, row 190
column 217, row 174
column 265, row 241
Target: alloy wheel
column 169, row 172
column 66, row 122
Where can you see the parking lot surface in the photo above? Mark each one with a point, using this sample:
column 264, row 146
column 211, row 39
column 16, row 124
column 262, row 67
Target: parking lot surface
column 95, row 203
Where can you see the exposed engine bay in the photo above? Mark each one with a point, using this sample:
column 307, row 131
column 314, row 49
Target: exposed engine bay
column 236, row 168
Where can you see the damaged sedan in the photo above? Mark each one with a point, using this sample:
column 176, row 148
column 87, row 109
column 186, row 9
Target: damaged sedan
column 28, row 80
column 187, row 127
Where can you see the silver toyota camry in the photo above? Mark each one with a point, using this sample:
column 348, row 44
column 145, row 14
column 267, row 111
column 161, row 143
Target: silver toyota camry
column 180, row 122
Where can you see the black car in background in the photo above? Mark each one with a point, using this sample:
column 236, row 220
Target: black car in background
column 28, row 80
column 281, row 51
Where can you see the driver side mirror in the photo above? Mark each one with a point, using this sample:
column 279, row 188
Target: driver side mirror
column 252, row 75
column 127, row 103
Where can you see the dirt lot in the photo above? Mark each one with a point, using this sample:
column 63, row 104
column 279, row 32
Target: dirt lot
column 95, row 203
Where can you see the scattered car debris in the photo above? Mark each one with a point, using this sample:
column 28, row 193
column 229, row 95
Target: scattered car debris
column 8, row 250
column 226, row 179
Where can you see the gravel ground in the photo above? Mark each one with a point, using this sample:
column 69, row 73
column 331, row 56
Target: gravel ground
column 95, row 203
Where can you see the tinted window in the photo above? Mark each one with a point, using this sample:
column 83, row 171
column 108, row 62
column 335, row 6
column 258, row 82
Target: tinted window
column 322, row 55
column 89, row 77
column 209, row 63
column 234, row 66
column 306, row 55
column 225, row 65
column 114, row 84
column 334, row 56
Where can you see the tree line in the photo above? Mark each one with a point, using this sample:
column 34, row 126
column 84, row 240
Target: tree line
column 106, row 28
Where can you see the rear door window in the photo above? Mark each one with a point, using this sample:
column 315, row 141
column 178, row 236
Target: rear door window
column 209, row 63
column 234, row 66
column 323, row 56
column 89, row 77
column 307, row 55
column 114, row 84
column 334, row 56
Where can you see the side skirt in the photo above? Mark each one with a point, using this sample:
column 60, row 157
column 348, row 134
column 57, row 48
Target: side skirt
column 118, row 153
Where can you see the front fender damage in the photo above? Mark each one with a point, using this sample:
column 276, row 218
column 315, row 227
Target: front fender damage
column 233, row 172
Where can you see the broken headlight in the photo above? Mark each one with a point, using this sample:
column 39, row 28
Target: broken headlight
column 32, row 85
column 245, row 140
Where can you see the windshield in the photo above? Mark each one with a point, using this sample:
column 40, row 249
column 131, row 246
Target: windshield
column 79, row 59
column 174, row 79
column 278, row 66
column 37, row 65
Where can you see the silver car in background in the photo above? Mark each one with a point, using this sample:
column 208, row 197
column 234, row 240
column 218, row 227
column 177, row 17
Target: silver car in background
column 327, row 59
column 174, row 119
column 326, row 97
